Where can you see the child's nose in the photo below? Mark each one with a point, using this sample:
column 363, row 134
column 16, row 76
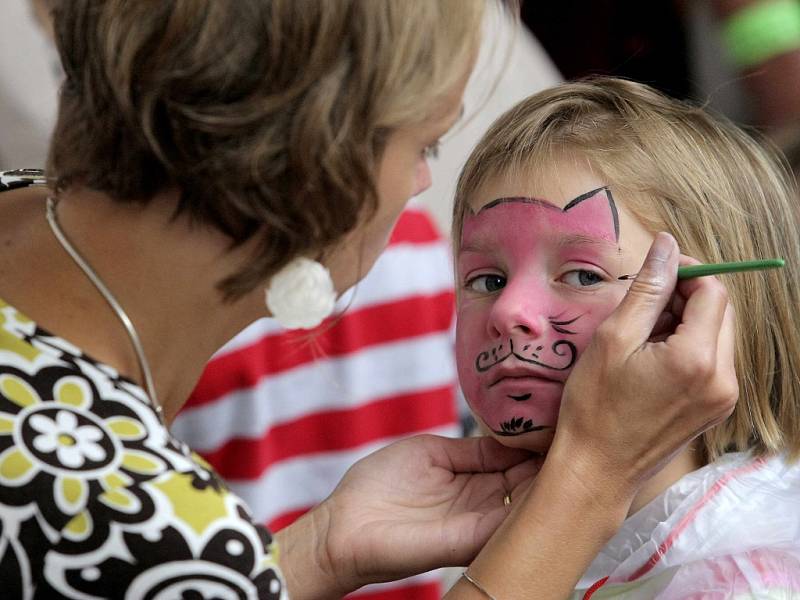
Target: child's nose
column 518, row 314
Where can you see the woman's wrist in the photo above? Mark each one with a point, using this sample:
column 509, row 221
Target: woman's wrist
column 596, row 474
column 304, row 561
column 591, row 478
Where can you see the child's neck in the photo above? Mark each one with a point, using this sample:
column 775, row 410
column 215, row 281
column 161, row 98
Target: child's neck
column 690, row 459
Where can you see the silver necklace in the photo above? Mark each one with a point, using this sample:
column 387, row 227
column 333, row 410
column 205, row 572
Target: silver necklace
column 52, row 219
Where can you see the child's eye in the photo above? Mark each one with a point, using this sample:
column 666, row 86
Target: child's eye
column 486, row 284
column 581, row 278
column 431, row 151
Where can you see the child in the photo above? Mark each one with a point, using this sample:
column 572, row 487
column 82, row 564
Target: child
column 560, row 199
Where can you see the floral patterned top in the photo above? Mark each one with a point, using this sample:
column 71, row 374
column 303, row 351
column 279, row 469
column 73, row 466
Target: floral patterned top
column 98, row 500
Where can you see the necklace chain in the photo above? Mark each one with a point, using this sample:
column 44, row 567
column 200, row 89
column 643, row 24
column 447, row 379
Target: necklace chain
column 52, row 219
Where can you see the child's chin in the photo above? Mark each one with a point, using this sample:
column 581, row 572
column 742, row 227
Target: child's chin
column 535, row 441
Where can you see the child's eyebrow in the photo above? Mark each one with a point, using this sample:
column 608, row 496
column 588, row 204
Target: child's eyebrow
column 578, row 239
column 567, row 240
column 478, row 247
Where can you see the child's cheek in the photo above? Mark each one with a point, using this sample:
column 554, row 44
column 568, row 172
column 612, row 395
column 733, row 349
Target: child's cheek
column 471, row 338
column 593, row 318
column 600, row 311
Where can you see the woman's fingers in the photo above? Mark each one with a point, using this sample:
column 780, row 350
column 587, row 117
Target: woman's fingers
column 706, row 301
column 693, row 351
column 474, row 454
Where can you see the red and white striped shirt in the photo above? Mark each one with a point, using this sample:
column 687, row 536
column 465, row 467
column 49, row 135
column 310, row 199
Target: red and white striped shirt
column 281, row 415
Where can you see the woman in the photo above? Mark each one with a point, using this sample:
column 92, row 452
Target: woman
column 207, row 152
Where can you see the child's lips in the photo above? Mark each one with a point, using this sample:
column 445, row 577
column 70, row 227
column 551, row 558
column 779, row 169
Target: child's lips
column 523, row 388
column 521, row 376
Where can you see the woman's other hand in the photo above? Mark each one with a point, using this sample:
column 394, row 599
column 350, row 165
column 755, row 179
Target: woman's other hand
column 419, row 504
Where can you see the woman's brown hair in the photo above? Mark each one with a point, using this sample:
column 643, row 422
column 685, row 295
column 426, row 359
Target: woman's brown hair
column 269, row 116
column 722, row 194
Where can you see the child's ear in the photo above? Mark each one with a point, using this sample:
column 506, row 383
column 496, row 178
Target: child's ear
column 587, row 204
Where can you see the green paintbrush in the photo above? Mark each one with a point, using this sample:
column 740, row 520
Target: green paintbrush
column 689, row 271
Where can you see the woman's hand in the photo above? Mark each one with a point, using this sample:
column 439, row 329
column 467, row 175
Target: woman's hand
column 419, row 504
column 658, row 372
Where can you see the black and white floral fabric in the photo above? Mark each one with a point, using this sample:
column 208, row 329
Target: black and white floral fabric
column 97, row 500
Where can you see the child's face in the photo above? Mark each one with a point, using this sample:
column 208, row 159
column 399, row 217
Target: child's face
column 537, row 272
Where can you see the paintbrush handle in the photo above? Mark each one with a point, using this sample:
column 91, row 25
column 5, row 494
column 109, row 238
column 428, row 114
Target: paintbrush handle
column 689, row 271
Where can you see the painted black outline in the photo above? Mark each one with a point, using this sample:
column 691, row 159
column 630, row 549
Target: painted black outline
column 556, row 325
column 570, row 205
column 510, row 427
column 492, row 355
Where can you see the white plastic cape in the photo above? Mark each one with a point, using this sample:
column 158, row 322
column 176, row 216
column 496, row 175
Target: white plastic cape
column 728, row 530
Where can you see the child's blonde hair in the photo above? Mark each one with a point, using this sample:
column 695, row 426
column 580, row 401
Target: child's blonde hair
column 723, row 196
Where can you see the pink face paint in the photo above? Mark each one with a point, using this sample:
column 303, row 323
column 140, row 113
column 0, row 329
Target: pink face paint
column 517, row 344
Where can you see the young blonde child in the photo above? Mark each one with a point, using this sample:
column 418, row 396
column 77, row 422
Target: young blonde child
column 561, row 199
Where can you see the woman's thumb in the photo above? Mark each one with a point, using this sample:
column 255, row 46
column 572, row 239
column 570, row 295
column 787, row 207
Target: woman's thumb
column 649, row 293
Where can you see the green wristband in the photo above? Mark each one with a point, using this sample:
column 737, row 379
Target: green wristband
column 756, row 33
